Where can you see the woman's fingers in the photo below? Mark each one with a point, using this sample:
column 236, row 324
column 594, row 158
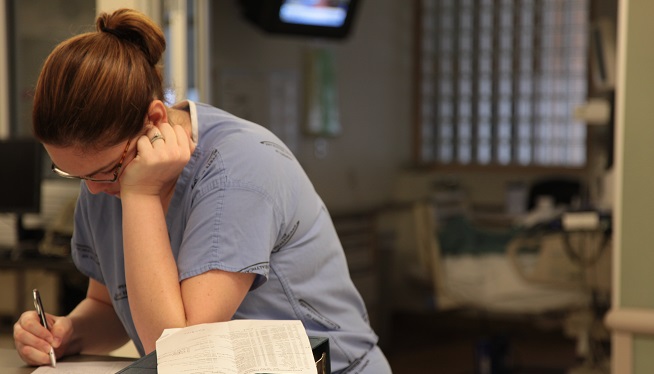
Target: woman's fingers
column 32, row 340
column 163, row 151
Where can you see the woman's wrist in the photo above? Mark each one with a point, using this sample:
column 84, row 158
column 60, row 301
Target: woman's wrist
column 72, row 345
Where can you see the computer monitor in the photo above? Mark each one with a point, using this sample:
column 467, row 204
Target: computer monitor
column 20, row 189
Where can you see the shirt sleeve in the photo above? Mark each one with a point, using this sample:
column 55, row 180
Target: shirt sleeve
column 232, row 227
column 83, row 251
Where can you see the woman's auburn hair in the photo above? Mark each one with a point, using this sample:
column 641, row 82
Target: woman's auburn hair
column 94, row 89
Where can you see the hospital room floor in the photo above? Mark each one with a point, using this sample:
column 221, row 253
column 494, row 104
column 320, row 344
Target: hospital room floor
column 446, row 343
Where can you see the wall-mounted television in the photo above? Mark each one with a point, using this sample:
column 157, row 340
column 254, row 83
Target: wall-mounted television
column 311, row 18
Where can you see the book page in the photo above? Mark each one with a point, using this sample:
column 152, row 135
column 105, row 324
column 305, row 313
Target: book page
column 199, row 348
column 237, row 347
column 271, row 347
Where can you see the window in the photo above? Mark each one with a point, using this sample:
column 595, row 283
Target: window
column 498, row 81
column 186, row 62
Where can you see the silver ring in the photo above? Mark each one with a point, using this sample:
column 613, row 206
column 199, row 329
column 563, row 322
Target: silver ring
column 156, row 137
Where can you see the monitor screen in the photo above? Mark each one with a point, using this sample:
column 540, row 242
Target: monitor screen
column 310, row 18
column 315, row 13
column 20, row 167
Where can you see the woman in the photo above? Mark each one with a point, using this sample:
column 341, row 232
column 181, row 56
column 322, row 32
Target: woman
column 186, row 214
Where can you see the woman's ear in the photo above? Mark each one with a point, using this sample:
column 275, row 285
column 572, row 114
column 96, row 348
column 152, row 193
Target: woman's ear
column 157, row 112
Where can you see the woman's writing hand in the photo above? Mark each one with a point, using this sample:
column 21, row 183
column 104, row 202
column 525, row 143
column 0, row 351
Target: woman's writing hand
column 33, row 341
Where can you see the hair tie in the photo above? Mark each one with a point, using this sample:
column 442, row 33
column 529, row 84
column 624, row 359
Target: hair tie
column 110, row 31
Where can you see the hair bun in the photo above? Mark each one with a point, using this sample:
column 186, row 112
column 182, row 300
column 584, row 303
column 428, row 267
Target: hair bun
column 136, row 28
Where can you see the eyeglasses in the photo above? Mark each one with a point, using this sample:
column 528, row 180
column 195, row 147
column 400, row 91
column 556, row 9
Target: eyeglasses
column 117, row 168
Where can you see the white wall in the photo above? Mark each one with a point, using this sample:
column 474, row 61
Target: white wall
column 374, row 80
column 369, row 164
column 634, row 213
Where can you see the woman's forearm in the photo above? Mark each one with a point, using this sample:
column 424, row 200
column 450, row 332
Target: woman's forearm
column 155, row 298
column 96, row 327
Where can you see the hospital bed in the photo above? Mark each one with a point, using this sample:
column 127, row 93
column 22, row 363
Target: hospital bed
column 506, row 271
column 538, row 271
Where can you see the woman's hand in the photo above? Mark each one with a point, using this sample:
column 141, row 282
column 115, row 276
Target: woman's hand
column 161, row 156
column 33, row 341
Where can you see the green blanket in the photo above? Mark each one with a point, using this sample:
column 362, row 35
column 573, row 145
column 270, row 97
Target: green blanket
column 458, row 236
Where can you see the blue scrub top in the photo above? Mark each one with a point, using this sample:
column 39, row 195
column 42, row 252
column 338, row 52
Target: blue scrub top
column 243, row 204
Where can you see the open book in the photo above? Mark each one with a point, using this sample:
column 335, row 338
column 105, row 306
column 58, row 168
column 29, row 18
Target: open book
column 236, row 347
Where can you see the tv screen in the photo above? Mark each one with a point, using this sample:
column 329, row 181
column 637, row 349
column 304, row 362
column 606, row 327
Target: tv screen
column 20, row 166
column 312, row 18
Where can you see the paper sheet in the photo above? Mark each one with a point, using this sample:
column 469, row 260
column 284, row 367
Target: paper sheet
column 90, row 367
column 235, row 347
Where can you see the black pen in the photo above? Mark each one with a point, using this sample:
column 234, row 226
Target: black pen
column 38, row 305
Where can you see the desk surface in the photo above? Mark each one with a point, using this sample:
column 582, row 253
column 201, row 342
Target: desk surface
column 10, row 362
